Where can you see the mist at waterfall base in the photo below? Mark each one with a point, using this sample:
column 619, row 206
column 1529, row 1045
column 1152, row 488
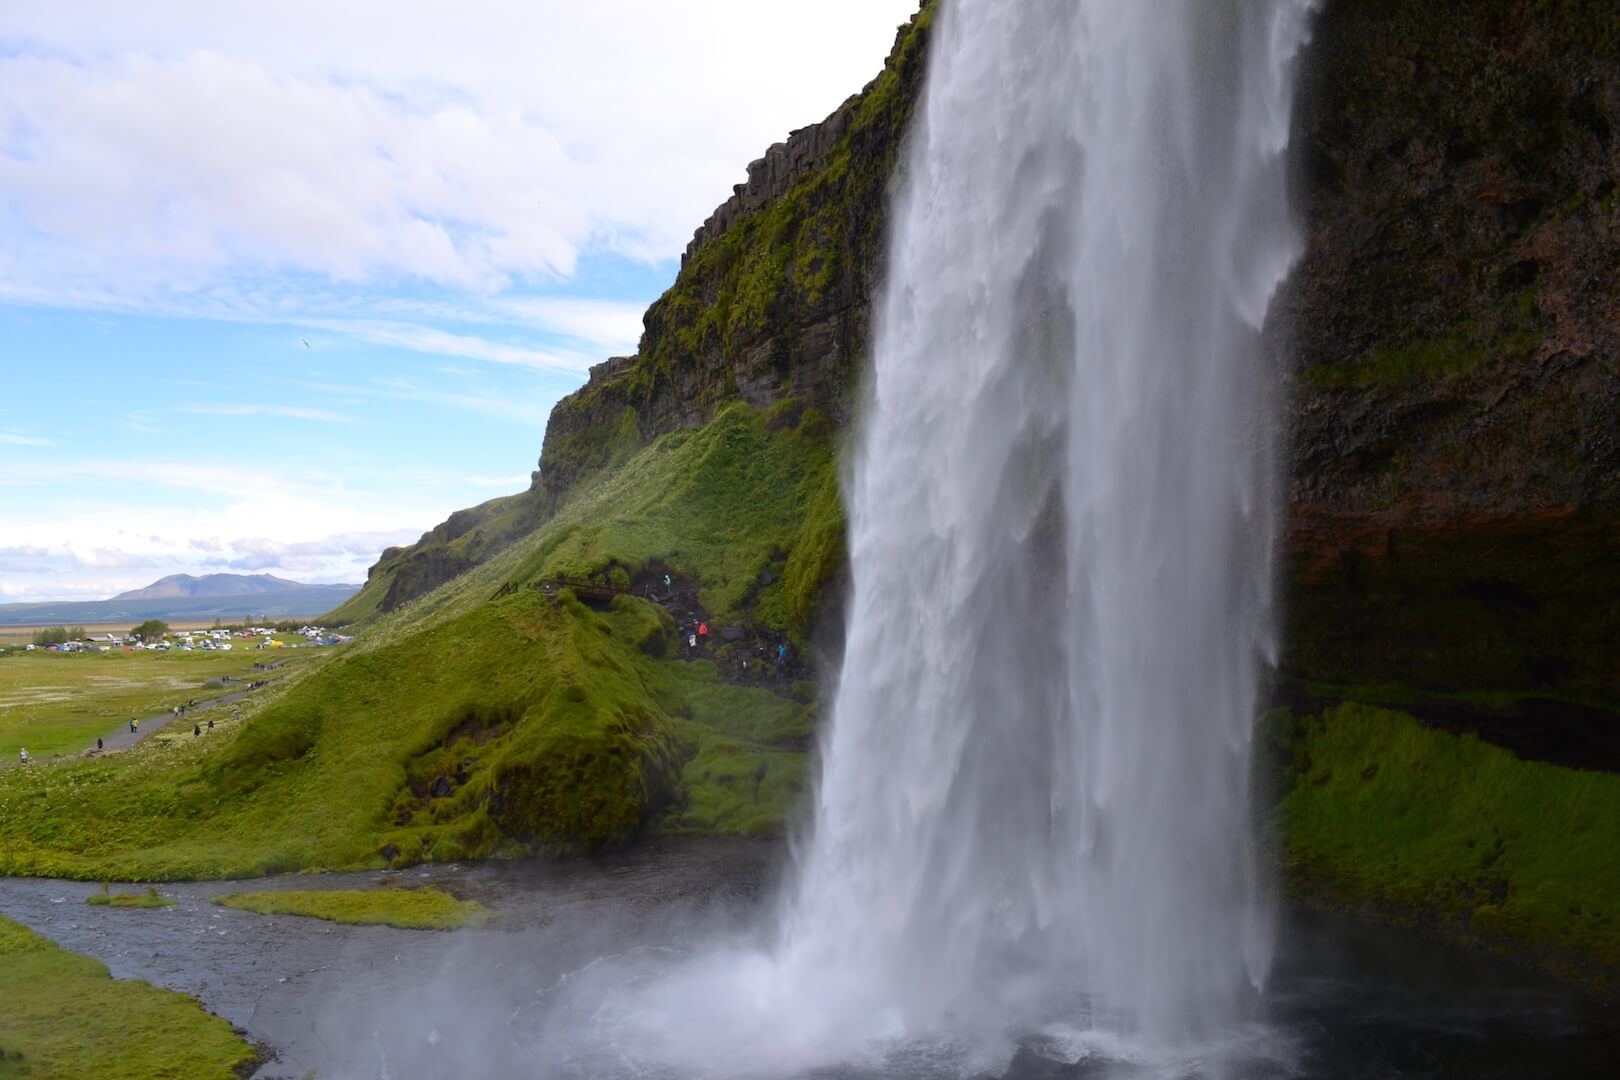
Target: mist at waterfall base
column 1034, row 818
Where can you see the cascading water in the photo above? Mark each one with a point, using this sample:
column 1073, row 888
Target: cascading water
column 1034, row 815
column 1061, row 519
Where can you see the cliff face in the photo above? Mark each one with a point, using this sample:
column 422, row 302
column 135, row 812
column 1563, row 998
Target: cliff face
column 1454, row 331
column 1455, row 421
column 774, row 295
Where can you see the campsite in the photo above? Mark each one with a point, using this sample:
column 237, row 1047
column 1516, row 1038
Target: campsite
column 56, row 703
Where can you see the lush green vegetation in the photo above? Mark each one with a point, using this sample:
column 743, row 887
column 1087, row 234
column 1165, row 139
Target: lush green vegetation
column 488, row 718
column 147, row 899
column 57, row 635
column 150, row 630
column 425, row 908
column 65, row 1017
column 1379, row 809
column 468, row 538
column 58, row 703
column 721, row 504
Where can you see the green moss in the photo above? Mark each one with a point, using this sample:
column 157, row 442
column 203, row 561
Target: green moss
column 1380, row 809
column 425, row 908
column 65, row 1017
column 818, row 553
column 1436, row 357
column 148, row 899
column 717, row 504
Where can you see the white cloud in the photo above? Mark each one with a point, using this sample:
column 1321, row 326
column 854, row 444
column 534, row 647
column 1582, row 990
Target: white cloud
column 23, row 440
column 609, row 324
column 152, row 152
column 432, row 340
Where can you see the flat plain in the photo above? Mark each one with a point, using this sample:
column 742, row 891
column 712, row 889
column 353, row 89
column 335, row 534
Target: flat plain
column 59, row 703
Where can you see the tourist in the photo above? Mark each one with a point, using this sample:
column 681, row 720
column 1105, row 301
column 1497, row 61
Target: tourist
column 210, row 723
column 196, row 729
column 132, row 725
column 99, row 745
column 703, row 633
column 23, row 753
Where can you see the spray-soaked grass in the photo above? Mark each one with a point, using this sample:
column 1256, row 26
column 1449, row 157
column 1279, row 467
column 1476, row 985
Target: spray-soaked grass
column 1419, row 821
column 63, row 1016
column 425, row 908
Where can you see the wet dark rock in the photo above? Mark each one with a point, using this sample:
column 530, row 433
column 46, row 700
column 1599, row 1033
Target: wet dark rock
column 441, row 788
column 733, row 633
column 390, row 852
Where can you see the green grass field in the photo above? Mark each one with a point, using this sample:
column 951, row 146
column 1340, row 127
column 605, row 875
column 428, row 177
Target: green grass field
column 425, row 908
column 1442, row 827
column 64, row 1017
column 58, row 703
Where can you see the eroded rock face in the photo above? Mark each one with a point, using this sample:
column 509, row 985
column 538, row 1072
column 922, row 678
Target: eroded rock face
column 1455, row 406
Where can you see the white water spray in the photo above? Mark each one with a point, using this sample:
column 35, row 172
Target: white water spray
column 1061, row 521
column 1034, row 820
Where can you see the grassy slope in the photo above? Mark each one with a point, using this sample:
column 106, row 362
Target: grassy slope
column 553, row 727
column 1417, row 821
column 426, row 908
column 469, row 537
column 64, row 1017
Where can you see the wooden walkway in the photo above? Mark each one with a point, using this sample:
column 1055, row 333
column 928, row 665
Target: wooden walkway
column 589, row 589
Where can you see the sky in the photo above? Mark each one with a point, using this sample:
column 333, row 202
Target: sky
column 284, row 284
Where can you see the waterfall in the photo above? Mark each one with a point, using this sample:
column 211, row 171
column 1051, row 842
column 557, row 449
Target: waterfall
column 1033, row 829
column 1061, row 514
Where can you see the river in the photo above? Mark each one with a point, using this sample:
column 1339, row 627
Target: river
column 531, row 996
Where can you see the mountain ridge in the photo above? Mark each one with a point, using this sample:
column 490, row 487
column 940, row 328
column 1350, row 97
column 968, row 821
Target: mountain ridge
column 188, row 585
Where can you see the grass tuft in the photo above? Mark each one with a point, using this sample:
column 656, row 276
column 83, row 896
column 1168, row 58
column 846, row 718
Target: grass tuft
column 425, row 908
column 147, row 899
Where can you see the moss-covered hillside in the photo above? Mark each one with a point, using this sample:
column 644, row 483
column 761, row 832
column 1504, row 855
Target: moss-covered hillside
column 772, row 305
column 500, row 714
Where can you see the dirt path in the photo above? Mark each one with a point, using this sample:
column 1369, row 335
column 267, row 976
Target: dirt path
column 122, row 738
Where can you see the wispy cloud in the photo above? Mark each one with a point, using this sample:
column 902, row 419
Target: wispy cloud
column 437, row 342
column 292, row 411
column 23, row 440
column 612, row 325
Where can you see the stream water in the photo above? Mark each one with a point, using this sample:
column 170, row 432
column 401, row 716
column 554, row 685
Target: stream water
column 535, row 995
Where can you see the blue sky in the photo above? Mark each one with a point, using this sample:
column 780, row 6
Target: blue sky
column 283, row 285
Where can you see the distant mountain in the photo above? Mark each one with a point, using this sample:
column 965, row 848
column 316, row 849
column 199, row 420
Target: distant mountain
column 178, row 585
column 228, row 597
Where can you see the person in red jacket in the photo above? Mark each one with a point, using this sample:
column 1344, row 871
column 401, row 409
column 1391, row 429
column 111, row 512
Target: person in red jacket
column 703, row 633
